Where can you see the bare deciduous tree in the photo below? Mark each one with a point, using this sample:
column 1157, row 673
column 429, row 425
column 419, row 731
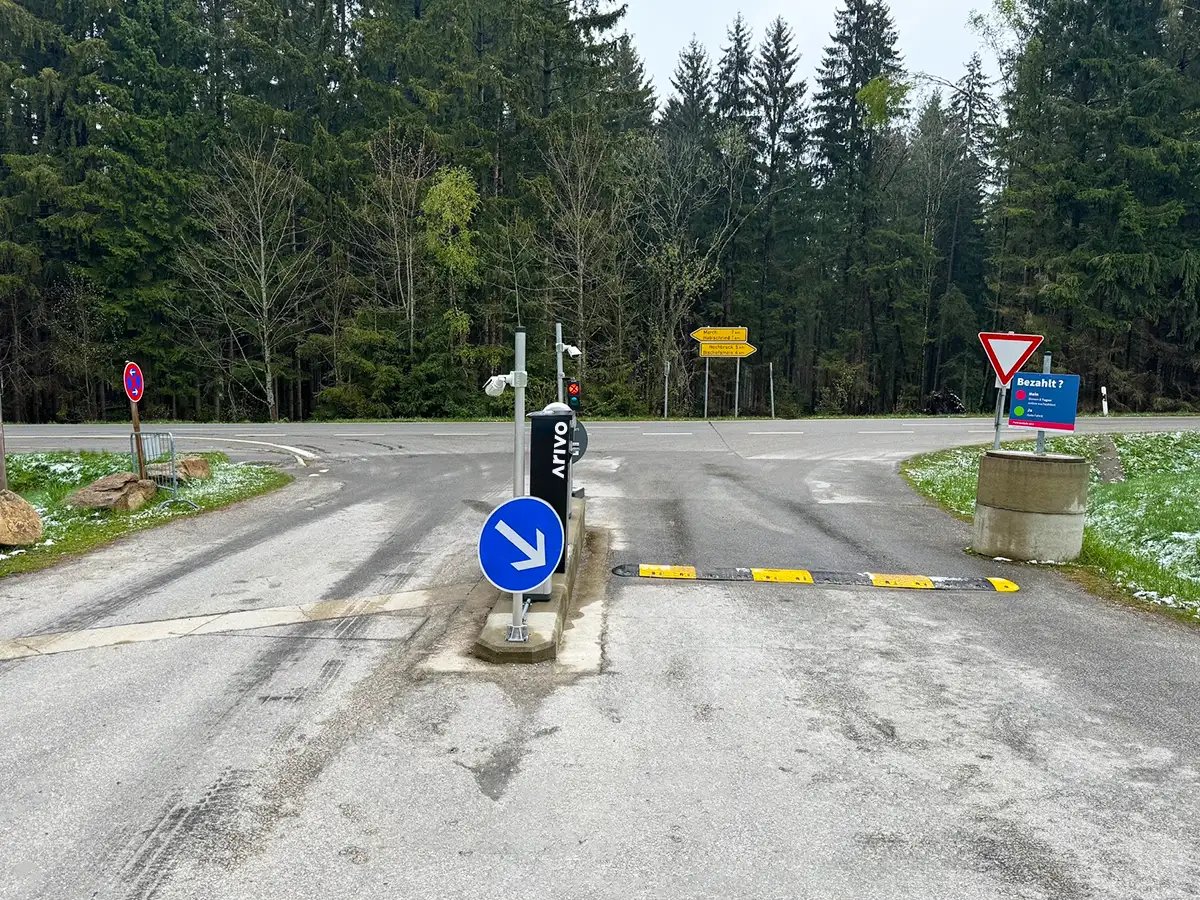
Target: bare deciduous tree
column 388, row 236
column 678, row 183
column 585, row 212
column 252, row 269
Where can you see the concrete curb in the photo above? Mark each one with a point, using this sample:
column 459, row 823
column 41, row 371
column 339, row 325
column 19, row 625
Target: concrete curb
column 545, row 619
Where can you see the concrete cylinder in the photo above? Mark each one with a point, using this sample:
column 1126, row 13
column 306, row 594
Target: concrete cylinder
column 1030, row 507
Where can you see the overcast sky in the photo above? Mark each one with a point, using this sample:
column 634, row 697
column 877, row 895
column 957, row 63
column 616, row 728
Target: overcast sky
column 934, row 36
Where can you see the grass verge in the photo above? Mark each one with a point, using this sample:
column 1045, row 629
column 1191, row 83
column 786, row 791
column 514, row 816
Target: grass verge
column 1143, row 533
column 45, row 480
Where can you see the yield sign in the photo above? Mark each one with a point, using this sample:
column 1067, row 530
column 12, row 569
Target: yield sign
column 1008, row 352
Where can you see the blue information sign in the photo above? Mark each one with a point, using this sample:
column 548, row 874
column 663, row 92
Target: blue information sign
column 520, row 544
column 1047, row 402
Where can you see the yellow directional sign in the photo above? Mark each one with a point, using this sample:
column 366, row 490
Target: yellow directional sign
column 704, row 335
column 726, row 350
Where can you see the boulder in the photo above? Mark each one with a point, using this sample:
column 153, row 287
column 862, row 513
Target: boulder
column 189, row 468
column 20, row 525
column 121, row 492
column 193, row 468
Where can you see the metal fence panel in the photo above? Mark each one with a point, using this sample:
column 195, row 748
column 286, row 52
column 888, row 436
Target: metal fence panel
column 159, row 450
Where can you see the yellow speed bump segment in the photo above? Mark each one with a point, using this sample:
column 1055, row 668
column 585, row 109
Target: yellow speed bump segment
column 783, row 576
column 906, row 582
column 815, row 577
column 681, row 573
column 1004, row 586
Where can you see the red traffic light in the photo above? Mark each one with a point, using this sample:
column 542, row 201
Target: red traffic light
column 573, row 388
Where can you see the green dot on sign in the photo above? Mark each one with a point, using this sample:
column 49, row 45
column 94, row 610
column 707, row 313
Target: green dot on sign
column 1019, row 411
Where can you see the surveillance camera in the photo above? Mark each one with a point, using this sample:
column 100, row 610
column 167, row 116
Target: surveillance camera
column 573, row 351
column 495, row 385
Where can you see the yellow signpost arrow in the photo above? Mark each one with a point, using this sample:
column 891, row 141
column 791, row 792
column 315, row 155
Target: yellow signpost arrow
column 736, row 333
column 726, row 350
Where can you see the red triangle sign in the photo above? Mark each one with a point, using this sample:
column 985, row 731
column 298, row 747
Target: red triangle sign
column 1009, row 352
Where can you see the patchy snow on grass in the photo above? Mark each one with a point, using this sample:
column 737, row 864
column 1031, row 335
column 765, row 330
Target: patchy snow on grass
column 1143, row 533
column 46, row 479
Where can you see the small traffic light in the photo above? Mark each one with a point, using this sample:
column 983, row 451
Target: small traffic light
column 574, row 394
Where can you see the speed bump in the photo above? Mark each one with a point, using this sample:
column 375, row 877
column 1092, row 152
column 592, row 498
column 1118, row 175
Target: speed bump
column 811, row 576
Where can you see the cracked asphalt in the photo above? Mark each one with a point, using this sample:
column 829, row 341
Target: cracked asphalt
column 749, row 740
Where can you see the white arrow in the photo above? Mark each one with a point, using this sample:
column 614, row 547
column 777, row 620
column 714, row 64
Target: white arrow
column 536, row 558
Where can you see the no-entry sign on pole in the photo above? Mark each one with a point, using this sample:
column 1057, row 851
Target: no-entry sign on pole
column 135, row 384
column 135, row 389
column 1009, row 352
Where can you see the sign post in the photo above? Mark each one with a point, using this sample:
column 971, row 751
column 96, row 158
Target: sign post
column 771, row 369
column 3, row 458
column 558, row 352
column 1040, row 443
column 1007, row 352
column 723, row 342
column 737, row 386
column 519, row 546
column 135, row 389
column 666, row 384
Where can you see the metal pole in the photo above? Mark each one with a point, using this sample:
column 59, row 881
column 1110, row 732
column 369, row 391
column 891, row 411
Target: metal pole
column 517, row 632
column 737, row 386
column 771, row 369
column 1000, row 395
column 3, row 459
column 519, row 381
column 706, row 361
column 666, row 385
column 1040, row 447
column 558, row 352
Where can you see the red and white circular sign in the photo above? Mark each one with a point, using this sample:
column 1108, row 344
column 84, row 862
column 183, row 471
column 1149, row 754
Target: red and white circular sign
column 135, row 384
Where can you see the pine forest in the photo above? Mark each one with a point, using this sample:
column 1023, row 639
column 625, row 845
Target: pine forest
column 315, row 209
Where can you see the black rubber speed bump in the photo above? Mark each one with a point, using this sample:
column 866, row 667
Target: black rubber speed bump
column 810, row 576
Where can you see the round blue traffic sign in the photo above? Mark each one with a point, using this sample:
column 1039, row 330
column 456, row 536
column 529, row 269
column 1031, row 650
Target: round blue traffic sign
column 520, row 544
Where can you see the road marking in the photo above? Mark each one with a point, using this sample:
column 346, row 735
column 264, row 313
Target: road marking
column 815, row 577
column 776, row 432
column 365, row 434
column 887, row 432
column 666, row 434
column 301, row 455
column 219, row 623
column 16, row 434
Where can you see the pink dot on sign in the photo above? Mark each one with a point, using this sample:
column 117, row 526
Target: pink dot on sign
column 1020, row 395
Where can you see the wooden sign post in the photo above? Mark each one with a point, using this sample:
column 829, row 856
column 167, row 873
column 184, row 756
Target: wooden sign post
column 135, row 389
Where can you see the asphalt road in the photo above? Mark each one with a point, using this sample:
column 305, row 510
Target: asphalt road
column 699, row 739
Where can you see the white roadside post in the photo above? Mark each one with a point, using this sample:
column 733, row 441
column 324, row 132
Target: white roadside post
column 1104, row 401
column 737, row 386
column 666, row 385
column 771, row 369
column 706, row 362
column 1040, row 447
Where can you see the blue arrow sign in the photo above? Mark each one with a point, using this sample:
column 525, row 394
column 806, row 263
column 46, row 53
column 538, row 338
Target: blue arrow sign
column 520, row 544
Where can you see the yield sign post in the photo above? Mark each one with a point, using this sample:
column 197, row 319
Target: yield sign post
column 1007, row 352
column 135, row 389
